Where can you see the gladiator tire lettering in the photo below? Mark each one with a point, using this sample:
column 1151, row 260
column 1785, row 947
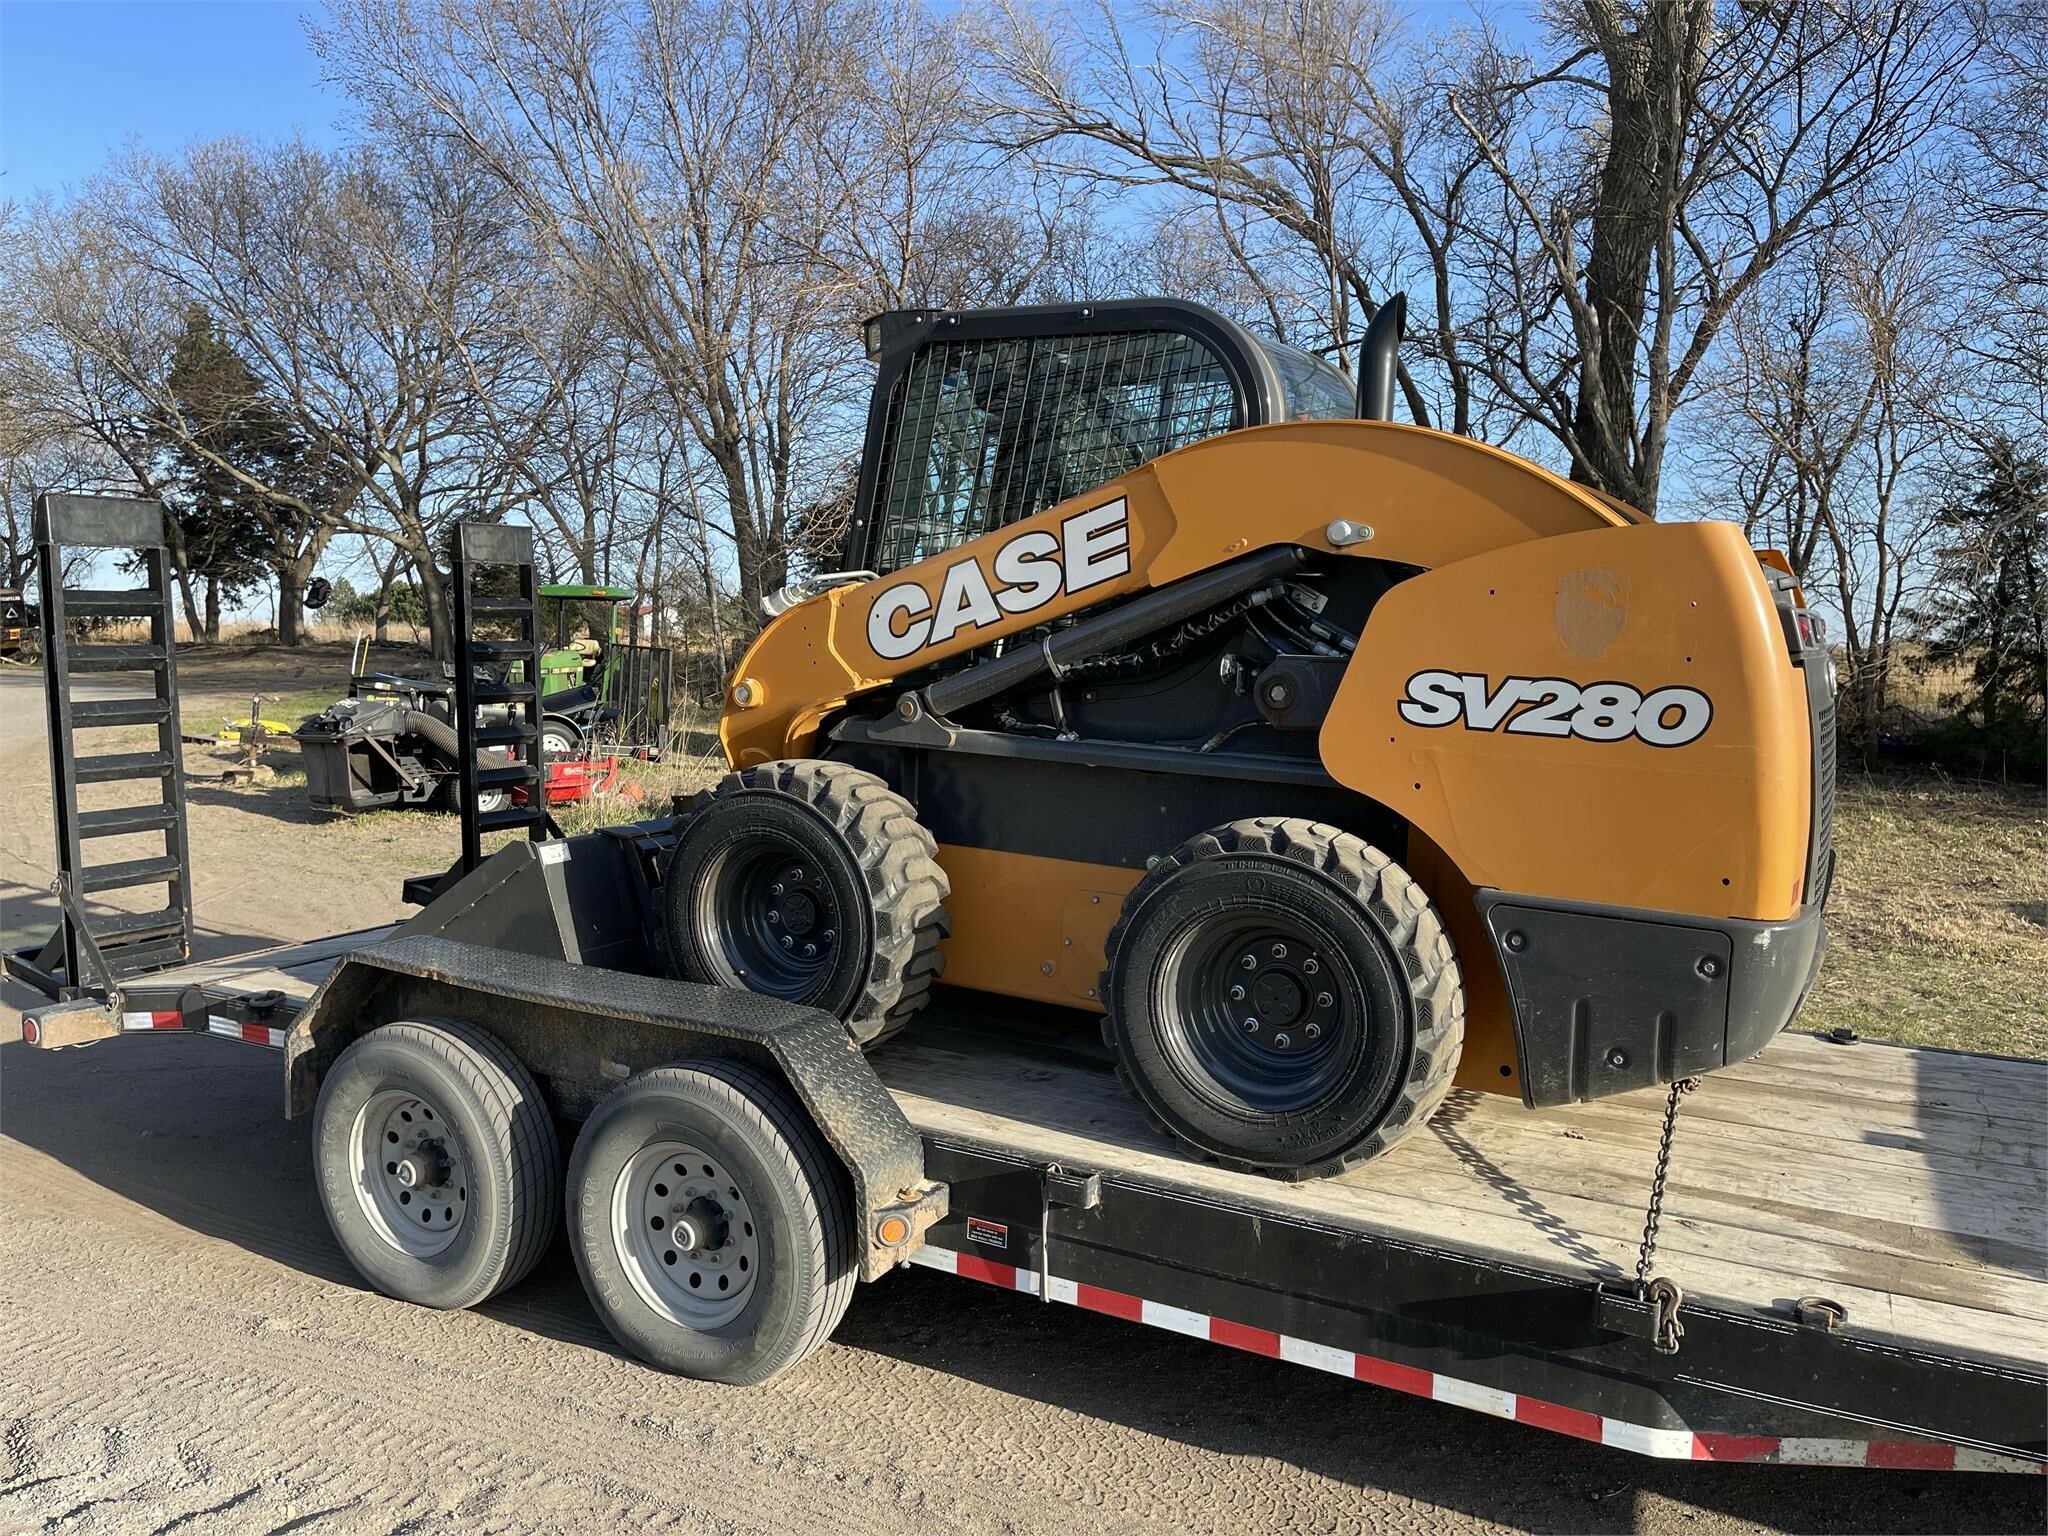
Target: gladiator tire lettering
column 1554, row 706
column 1029, row 571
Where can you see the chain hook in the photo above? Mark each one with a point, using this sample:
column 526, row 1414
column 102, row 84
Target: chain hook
column 1662, row 1295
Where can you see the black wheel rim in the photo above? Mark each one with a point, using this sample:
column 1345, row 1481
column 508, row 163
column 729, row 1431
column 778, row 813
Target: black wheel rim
column 768, row 921
column 1261, row 1006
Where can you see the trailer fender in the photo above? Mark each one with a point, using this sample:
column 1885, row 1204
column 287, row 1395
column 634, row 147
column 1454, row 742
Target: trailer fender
column 582, row 1031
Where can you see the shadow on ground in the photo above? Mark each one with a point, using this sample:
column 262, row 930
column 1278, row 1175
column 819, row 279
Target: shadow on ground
column 191, row 1128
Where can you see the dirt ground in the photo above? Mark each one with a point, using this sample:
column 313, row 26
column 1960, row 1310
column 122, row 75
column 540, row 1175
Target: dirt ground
column 183, row 1347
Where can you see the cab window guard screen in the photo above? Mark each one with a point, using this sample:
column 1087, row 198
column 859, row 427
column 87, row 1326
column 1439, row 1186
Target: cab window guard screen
column 984, row 433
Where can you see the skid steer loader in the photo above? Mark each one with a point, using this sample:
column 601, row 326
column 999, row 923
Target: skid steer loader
column 1332, row 761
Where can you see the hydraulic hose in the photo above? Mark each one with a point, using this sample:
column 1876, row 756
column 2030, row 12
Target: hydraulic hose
column 1121, row 625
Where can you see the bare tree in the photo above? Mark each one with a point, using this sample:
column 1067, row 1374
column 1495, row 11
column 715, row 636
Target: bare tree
column 1304, row 158
column 363, row 289
column 1658, row 165
column 2001, row 191
column 651, row 152
column 1831, row 410
column 1583, row 222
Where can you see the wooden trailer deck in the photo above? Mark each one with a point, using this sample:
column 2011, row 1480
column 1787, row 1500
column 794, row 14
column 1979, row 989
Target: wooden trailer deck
column 1909, row 1185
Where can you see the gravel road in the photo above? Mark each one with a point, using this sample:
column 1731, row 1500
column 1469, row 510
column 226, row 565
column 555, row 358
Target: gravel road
column 183, row 1347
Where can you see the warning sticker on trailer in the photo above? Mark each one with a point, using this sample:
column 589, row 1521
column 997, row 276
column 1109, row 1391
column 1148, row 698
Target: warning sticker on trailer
column 991, row 1233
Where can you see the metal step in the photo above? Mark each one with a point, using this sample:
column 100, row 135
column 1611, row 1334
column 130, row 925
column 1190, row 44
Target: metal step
column 101, row 602
column 98, row 712
column 125, row 819
column 115, row 658
column 135, row 957
column 114, row 877
column 486, row 648
column 113, row 766
column 505, row 693
column 517, row 775
column 514, row 816
column 481, row 604
column 503, row 733
column 134, row 926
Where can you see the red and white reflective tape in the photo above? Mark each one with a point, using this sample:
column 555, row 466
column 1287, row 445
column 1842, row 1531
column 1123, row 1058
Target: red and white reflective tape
column 230, row 1029
column 1676, row 1444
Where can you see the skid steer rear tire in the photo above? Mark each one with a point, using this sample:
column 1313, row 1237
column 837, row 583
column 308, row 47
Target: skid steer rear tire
column 1283, row 998
column 810, row 856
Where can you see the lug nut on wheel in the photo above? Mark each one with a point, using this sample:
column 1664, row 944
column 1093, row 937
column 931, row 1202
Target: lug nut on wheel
column 1237, row 994
column 1310, row 966
column 1281, row 1040
column 1279, row 951
column 1249, row 962
column 1251, row 1026
column 1314, row 1031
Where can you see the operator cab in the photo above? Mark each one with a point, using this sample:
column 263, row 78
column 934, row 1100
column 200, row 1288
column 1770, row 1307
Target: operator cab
column 984, row 417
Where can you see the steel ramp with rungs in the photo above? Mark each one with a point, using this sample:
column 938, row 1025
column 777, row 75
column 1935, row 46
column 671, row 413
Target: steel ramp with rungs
column 93, row 950
column 494, row 587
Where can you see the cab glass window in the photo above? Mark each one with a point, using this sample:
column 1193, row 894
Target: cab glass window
column 984, row 433
column 1316, row 390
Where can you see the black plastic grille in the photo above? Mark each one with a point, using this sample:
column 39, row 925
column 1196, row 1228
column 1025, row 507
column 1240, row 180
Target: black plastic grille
column 1821, row 699
column 983, row 433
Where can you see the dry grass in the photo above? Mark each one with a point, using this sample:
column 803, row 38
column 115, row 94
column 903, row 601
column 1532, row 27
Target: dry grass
column 646, row 789
column 1938, row 924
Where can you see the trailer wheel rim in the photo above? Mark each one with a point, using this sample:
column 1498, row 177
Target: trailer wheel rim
column 410, row 1176
column 767, row 920
column 1260, row 1005
column 686, row 1235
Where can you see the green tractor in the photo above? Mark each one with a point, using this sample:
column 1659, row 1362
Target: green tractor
column 580, row 626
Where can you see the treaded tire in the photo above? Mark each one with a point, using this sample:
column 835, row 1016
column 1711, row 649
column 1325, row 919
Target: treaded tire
column 1382, row 934
column 876, row 874
column 794, row 1188
column 506, row 1143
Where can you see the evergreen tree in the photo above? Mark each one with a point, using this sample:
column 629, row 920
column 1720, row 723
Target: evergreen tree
column 1991, row 612
column 245, row 491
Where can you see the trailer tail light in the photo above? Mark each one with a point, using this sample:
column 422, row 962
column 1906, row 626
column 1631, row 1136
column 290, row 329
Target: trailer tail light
column 1813, row 630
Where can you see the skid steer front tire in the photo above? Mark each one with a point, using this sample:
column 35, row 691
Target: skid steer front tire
column 1283, row 998
column 815, row 883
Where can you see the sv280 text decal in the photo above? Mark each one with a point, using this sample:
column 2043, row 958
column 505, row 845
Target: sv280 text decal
column 1555, row 706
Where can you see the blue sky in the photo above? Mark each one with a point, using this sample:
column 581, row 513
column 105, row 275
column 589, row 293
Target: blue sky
column 80, row 78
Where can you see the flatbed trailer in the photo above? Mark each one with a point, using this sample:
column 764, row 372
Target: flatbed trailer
column 1853, row 1233
column 1858, row 1229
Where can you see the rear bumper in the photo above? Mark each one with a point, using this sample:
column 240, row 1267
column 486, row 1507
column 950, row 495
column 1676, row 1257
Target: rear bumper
column 1609, row 999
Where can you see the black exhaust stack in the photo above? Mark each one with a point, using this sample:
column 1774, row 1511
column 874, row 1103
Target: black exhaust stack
column 1379, row 360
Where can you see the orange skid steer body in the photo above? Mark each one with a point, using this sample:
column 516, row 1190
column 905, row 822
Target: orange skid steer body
column 1602, row 746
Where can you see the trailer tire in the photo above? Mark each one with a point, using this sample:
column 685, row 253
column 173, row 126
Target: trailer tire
column 716, row 1155
column 868, row 876
column 489, row 1183
column 1282, row 998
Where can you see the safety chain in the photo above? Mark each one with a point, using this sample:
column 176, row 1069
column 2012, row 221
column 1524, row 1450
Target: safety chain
column 1662, row 1294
